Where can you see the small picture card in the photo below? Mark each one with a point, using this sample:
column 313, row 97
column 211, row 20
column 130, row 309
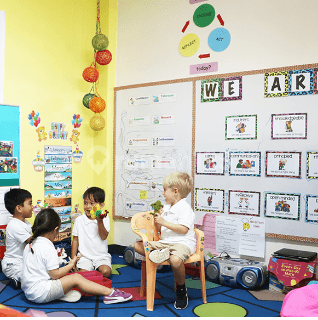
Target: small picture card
column 6, row 148
column 142, row 100
column 311, row 208
column 136, row 206
column 58, row 194
column 57, row 167
column 276, row 84
column 164, row 98
column 312, row 165
column 289, row 126
column 163, row 163
column 58, row 176
column 138, row 142
column 58, row 185
column 57, row 158
column 283, row 164
column 156, row 186
column 231, row 88
column 245, row 163
column 241, row 127
column 8, row 165
column 166, row 119
column 244, row 202
column 138, row 185
column 163, row 142
column 140, row 163
column 210, row 163
column 209, row 200
column 282, row 205
column 138, row 121
column 58, row 150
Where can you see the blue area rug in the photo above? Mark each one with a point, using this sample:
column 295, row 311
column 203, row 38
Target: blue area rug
column 220, row 299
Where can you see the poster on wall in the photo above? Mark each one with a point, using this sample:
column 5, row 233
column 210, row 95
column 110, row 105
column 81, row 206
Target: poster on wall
column 245, row 163
column 311, row 208
column 58, row 185
column 289, row 126
column 283, row 164
column 209, row 200
column 282, row 206
column 210, row 163
column 244, row 202
column 312, row 165
column 241, row 127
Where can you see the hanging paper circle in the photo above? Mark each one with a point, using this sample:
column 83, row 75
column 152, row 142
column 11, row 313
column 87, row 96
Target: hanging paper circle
column 97, row 123
column 97, row 105
column 87, row 98
column 90, row 74
column 100, row 42
column 103, row 57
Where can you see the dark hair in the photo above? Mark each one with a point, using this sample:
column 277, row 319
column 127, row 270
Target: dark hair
column 97, row 193
column 45, row 221
column 15, row 197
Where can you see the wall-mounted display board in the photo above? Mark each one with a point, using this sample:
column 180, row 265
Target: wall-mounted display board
column 254, row 141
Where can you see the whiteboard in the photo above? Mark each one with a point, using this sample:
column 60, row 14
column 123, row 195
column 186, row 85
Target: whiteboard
column 153, row 137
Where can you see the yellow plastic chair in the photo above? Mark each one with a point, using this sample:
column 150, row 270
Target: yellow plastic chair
column 145, row 221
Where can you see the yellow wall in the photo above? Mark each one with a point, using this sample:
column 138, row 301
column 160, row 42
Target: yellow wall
column 47, row 47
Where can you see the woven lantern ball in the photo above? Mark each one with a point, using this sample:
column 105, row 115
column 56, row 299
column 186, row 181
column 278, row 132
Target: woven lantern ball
column 87, row 98
column 103, row 57
column 97, row 123
column 100, row 42
column 90, row 74
column 97, row 105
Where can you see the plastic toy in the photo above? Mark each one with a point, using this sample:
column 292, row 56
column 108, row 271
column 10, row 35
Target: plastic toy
column 96, row 212
column 156, row 206
column 62, row 255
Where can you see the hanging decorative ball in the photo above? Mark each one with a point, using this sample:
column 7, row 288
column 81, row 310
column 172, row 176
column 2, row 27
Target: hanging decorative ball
column 97, row 105
column 97, row 123
column 100, row 42
column 87, row 98
column 103, row 57
column 90, row 74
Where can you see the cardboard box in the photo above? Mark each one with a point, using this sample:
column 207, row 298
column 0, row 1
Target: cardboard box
column 287, row 275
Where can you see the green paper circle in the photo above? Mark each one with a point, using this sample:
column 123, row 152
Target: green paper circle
column 203, row 15
column 219, row 309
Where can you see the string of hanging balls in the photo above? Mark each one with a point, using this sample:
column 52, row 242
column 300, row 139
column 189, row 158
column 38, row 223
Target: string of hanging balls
column 93, row 101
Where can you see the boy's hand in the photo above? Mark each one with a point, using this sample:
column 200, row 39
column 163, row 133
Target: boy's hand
column 74, row 260
column 160, row 211
column 159, row 219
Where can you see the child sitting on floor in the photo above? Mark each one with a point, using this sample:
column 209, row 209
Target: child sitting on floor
column 43, row 280
column 176, row 220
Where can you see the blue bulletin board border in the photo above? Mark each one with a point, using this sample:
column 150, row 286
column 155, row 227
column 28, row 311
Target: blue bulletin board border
column 10, row 131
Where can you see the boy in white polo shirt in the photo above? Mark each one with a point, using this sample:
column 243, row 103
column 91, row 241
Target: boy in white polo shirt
column 89, row 236
column 176, row 221
column 18, row 233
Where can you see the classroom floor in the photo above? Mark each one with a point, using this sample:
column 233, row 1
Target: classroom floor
column 222, row 301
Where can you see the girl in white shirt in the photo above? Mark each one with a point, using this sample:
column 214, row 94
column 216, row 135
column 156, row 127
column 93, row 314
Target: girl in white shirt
column 43, row 280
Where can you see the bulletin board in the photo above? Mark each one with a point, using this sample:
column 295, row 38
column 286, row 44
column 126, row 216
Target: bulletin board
column 260, row 144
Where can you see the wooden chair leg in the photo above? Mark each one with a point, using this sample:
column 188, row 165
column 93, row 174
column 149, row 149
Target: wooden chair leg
column 143, row 278
column 202, row 279
column 151, row 284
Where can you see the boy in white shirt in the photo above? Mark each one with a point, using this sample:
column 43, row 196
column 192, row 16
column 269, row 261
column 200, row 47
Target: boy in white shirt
column 18, row 233
column 89, row 236
column 176, row 220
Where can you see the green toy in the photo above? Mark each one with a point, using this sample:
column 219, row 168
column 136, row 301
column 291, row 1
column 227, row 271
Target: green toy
column 156, row 206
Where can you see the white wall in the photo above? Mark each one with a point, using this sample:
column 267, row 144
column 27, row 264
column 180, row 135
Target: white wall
column 264, row 34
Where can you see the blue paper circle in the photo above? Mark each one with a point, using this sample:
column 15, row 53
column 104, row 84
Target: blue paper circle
column 219, row 39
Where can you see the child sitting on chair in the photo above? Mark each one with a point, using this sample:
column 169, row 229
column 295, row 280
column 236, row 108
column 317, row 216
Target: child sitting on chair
column 90, row 236
column 176, row 221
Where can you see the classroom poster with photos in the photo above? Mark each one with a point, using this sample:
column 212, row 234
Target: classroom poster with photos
column 282, row 206
column 245, row 163
column 289, row 126
column 58, row 185
column 283, row 164
column 311, row 208
column 211, row 200
column 312, row 165
column 244, row 202
column 210, row 163
column 241, row 127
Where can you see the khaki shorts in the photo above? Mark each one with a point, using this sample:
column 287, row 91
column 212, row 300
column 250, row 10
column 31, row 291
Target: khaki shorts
column 180, row 250
column 90, row 265
column 56, row 292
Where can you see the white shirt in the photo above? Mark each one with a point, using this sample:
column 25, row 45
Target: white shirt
column 35, row 276
column 180, row 213
column 17, row 232
column 90, row 244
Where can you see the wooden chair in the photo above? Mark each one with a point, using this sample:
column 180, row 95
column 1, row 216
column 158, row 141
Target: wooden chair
column 145, row 220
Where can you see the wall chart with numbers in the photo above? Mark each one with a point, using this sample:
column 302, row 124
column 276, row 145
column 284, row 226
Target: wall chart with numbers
column 258, row 143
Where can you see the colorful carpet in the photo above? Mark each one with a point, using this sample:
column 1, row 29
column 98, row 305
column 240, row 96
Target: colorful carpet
column 222, row 301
